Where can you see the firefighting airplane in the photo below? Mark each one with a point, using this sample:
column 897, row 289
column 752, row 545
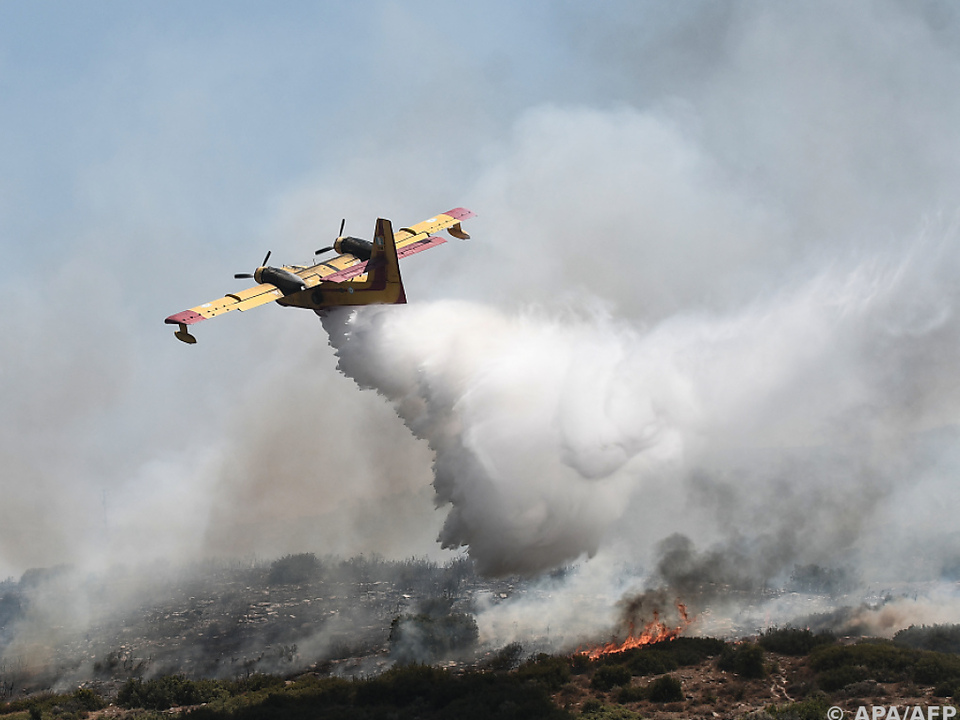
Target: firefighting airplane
column 363, row 273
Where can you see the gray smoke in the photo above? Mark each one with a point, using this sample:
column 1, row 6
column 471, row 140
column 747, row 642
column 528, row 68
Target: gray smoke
column 711, row 294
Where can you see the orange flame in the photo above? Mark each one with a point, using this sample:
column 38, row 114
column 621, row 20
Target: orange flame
column 654, row 631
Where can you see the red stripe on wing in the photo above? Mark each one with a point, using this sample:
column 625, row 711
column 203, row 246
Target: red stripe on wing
column 461, row 213
column 187, row 317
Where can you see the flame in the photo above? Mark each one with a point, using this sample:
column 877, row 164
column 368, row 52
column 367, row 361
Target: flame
column 654, row 631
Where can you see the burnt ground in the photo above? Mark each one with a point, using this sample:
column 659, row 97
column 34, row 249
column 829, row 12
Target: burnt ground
column 60, row 630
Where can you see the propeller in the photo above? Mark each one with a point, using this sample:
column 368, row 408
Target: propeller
column 330, row 247
column 248, row 276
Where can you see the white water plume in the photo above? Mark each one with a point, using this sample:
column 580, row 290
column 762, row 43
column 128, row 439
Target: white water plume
column 546, row 428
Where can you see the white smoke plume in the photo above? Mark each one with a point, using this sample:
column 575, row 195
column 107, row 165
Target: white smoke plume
column 549, row 427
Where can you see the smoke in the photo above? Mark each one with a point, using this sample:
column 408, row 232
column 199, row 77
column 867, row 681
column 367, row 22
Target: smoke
column 549, row 430
column 705, row 332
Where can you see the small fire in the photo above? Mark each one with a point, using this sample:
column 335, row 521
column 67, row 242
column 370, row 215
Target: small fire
column 654, row 631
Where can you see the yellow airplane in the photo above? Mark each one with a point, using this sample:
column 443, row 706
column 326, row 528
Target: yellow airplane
column 363, row 273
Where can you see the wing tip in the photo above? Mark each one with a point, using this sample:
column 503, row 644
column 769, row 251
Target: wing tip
column 460, row 213
column 187, row 317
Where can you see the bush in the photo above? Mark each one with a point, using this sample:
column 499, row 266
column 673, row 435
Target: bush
column 580, row 663
column 665, row 689
column 746, row 660
column 692, row 650
column 933, row 668
column 887, row 662
column 549, row 671
column 945, row 689
column 506, row 658
column 424, row 638
column 631, row 693
column 939, row 638
column 167, row 692
column 401, row 685
column 294, row 569
column 793, row 641
column 608, row 676
column 839, row 678
column 87, row 699
column 594, row 710
column 651, row 662
column 813, row 708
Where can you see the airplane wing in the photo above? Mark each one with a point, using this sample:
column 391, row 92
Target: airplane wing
column 411, row 240
column 244, row 300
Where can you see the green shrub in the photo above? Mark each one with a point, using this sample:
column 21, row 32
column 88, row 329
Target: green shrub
column 506, row 658
column 745, row 659
column 294, row 569
column 839, row 678
column 665, row 689
column 608, row 676
column 168, row 691
column 550, row 671
column 938, row 638
column 401, row 685
column 692, row 650
column 580, row 663
column 887, row 662
column 594, row 710
column 87, row 699
column 650, row 661
column 933, row 668
column 631, row 693
column 945, row 688
column 812, row 708
column 793, row 641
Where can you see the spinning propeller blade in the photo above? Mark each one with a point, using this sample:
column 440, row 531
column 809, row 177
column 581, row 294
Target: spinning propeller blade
column 248, row 276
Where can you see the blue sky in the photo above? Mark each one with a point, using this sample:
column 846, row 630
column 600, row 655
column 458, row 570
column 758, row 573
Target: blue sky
column 651, row 158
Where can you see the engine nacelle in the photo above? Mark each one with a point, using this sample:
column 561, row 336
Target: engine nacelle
column 360, row 249
column 285, row 280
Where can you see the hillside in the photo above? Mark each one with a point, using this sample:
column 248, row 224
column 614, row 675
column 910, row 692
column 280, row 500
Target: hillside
column 685, row 678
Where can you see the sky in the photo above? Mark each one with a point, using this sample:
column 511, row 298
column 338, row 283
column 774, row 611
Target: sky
column 735, row 223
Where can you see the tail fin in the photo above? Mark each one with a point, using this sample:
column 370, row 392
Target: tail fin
column 382, row 285
column 383, row 267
